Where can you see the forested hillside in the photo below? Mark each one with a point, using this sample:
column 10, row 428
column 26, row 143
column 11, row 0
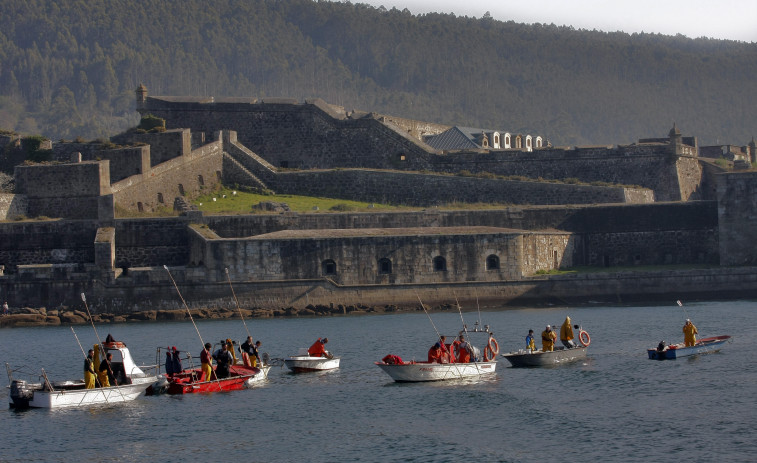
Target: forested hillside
column 69, row 68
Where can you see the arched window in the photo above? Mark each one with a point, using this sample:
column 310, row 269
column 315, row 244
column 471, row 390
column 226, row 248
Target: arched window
column 507, row 141
column 539, row 142
column 160, row 197
column 440, row 264
column 140, row 208
column 518, row 142
column 529, row 145
column 495, row 140
column 492, row 262
column 328, row 267
column 384, row 266
column 200, row 180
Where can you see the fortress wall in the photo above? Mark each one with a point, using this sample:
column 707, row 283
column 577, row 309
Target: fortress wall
column 183, row 176
column 165, row 145
column 151, row 242
column 60, row 241
column 64, row 190
column 416, row 189
column 297, row 135
column 124, row 162
column 356, row 258
column 12, row 206
column 699, row 215
column 737, row 213
column 546, row 251
column 689, row 172
column 417, row 129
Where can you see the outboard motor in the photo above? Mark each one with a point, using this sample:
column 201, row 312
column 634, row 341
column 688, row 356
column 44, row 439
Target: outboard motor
column 661, row 346
column 158, row 387
column 21, row 393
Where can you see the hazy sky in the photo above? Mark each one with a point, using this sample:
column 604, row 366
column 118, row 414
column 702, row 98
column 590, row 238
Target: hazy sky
column 721, row 19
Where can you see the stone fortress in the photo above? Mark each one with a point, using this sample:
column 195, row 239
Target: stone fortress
column 656, row 202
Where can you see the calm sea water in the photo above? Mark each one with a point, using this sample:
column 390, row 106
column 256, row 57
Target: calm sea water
column 615, row 406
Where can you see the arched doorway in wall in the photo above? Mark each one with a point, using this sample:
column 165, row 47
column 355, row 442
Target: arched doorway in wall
column 529, row 143
column 492, row 262
column 507, row 141
column 518, row 142
column 160, row 198
column 440, row 264
column 495, row 140
column 200, row 180
column 140, row 207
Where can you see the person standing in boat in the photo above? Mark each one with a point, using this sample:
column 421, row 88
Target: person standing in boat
column 446, row 353
column 104, row 372
column 169, row 363
column 566, row 334
column 89, row 371
column 531, row 341
column 548, row 338
column 224, row 360
column 463, row 350
column 206, row 361
column 176, row 361
column 689, row 334
column 318, row 349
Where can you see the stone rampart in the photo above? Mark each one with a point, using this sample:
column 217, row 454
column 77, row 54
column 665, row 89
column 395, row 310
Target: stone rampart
column 12, row 206
column 151, row 242
column 163, row 145
column 423, row 189
column 124, row 161
column 181, row 176
column 737, row 215
column 43, row 242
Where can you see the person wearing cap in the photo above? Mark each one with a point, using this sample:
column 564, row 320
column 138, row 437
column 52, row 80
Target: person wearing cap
column 205, row 362
column 104, row 373
column 435, row 354
column 463, row 350
column 566, row 334
column 548, row 338
column 531, row 341
column 176, row 361
column 318, row 349
column 689, row 334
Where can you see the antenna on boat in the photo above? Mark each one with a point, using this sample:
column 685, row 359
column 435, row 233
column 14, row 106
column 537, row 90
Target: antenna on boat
column 680, row 304
column 237, row 302
column 478, row 307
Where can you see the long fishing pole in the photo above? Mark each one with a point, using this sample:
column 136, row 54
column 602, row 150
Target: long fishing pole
column 239, row 309
column 85, row 358
column 220, row 386
column 438, row 335
column 680, row 304
column 102, row 347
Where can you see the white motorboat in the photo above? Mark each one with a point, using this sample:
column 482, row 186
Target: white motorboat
column 424, row 371
column 132, row 380
column 302, row 362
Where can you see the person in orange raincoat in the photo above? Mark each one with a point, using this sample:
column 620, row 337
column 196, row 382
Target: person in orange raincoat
column 689, row 334
column 318, row 349
column 463, row 351
column 435, row 354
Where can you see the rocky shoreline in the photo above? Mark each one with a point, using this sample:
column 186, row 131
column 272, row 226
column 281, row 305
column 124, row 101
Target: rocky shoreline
column 25, row 317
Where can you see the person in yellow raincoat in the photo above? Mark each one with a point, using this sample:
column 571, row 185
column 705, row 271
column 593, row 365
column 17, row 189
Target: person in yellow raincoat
column 89, row 370
column 566, row 334
column 230, row 348
column 689, row 334
column 531, row 341
column 548, row 338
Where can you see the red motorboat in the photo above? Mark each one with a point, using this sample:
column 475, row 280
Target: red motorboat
column 191, row 381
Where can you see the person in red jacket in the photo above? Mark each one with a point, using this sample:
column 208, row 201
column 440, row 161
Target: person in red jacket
column 435, row 354
column 318, row 349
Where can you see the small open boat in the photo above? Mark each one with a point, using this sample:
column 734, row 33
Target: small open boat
column 674, row 351
column 132, row 382
column 302, row 362
column 191, row 381
column 537, row 358
column 424, row 371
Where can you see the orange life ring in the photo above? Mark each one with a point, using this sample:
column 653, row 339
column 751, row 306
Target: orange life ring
column 584, row 338
column 491, row 350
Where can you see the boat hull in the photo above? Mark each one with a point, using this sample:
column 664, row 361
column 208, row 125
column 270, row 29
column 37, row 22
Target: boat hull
column 417, row 372
column 81, row 397
column 302, row 364
column 187, row 381
column 542, row 359
column 703, row 346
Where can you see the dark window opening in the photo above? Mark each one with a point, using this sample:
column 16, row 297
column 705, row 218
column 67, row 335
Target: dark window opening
column 328, row 267
column 385, row 266
column 284, row 164
column 200, row 180
column 440, row 264
column 492, row 262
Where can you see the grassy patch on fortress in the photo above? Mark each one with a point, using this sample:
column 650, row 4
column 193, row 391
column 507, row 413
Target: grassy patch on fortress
column 229, row 201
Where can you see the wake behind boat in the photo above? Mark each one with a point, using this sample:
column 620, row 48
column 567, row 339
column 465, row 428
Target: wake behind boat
column 674, row 351
column 132, row 382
